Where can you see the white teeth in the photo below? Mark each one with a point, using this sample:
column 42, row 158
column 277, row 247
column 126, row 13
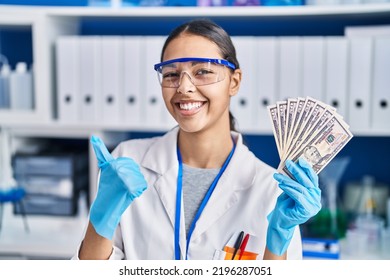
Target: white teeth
column 190, row 106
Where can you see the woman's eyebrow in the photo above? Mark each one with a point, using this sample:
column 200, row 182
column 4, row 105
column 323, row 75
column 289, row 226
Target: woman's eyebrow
column 170, row 65
column 198, row 62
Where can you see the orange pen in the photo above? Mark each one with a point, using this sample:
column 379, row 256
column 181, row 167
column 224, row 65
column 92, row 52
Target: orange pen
column 243, row 245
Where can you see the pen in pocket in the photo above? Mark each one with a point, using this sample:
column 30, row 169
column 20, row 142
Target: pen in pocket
column 243, row 245
column 238, row 244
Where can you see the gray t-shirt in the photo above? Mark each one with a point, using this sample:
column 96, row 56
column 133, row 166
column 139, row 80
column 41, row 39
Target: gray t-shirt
column 196, row 182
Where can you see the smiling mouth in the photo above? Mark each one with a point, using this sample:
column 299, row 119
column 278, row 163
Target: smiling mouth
column 189, row 106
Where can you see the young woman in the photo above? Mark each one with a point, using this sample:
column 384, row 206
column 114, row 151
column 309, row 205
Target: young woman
column 190, row 193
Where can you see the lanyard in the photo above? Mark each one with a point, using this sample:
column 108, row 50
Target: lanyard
column 202, row 205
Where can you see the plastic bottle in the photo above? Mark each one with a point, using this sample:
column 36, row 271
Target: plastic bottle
column 368, row 222
column 388, row 213
column 21, row 88
column 4, row 86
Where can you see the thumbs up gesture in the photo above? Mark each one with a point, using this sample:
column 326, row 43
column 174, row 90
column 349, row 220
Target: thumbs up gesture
column 121, row 181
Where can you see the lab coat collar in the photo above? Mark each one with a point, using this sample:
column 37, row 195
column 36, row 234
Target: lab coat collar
column 239, row 175
column 161, row 158
column 161, row 155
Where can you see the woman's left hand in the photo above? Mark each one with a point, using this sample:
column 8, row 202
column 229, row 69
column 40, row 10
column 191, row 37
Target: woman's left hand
column 300, row 200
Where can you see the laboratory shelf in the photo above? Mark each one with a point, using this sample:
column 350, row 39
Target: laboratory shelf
column 333, row 10
column 58, row 237
column 49, row 23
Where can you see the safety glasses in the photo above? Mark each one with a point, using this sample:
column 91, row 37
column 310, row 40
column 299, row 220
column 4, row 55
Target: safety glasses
column 201, row 71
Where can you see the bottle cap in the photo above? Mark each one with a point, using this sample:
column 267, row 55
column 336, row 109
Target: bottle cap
column 5, row 70
column 21, row 67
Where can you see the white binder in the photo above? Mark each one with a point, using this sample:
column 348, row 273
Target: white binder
column 336, row 73
column 242, row 104
column 68, row 75
column 313, row 67
column 367, row 31
column 156, row 115
column 267, row 81
column 90, row 67
column 381, row 84
column 360, row 71
column 133, row 78
column 111, row 79
column 290, row 75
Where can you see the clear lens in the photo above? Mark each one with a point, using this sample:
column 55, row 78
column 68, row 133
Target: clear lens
column 200, row 73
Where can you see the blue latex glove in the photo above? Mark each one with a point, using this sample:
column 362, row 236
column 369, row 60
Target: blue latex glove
column 121, row 181
column 300, row 200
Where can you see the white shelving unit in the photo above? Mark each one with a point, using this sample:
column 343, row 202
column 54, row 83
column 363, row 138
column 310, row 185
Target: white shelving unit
column 47, row 24
column 44, row 29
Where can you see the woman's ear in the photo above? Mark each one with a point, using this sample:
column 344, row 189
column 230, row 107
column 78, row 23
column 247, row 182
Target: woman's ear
column 235, row 82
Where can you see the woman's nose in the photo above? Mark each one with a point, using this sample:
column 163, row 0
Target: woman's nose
column 185, row 83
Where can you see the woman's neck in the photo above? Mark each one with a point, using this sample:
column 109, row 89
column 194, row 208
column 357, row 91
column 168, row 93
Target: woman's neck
column 205, row 149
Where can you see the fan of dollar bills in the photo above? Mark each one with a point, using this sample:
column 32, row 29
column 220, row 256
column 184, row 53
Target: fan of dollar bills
column 308, row 128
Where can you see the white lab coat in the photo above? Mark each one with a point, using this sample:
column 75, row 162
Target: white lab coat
column 245, row 194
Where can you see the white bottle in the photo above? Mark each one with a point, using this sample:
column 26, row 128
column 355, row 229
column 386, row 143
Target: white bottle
column 21, row 88
column 4, row 86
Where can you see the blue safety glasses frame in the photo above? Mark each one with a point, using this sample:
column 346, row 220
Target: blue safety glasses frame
column 208, row 74
column 200, row 59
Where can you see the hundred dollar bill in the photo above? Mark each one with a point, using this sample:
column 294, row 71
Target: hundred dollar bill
column 282, row 110
column 273, row 114
column 324, row 114
column 298, row 110
column 298, row 126
column 315, row 129
column 323, row 120
column 291, row 109
column 312, row 118
column 324, row 146
column 317, row 111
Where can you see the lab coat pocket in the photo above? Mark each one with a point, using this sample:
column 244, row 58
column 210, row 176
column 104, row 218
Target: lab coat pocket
column 219, row 255
column 242, row 246
column 240, row 255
